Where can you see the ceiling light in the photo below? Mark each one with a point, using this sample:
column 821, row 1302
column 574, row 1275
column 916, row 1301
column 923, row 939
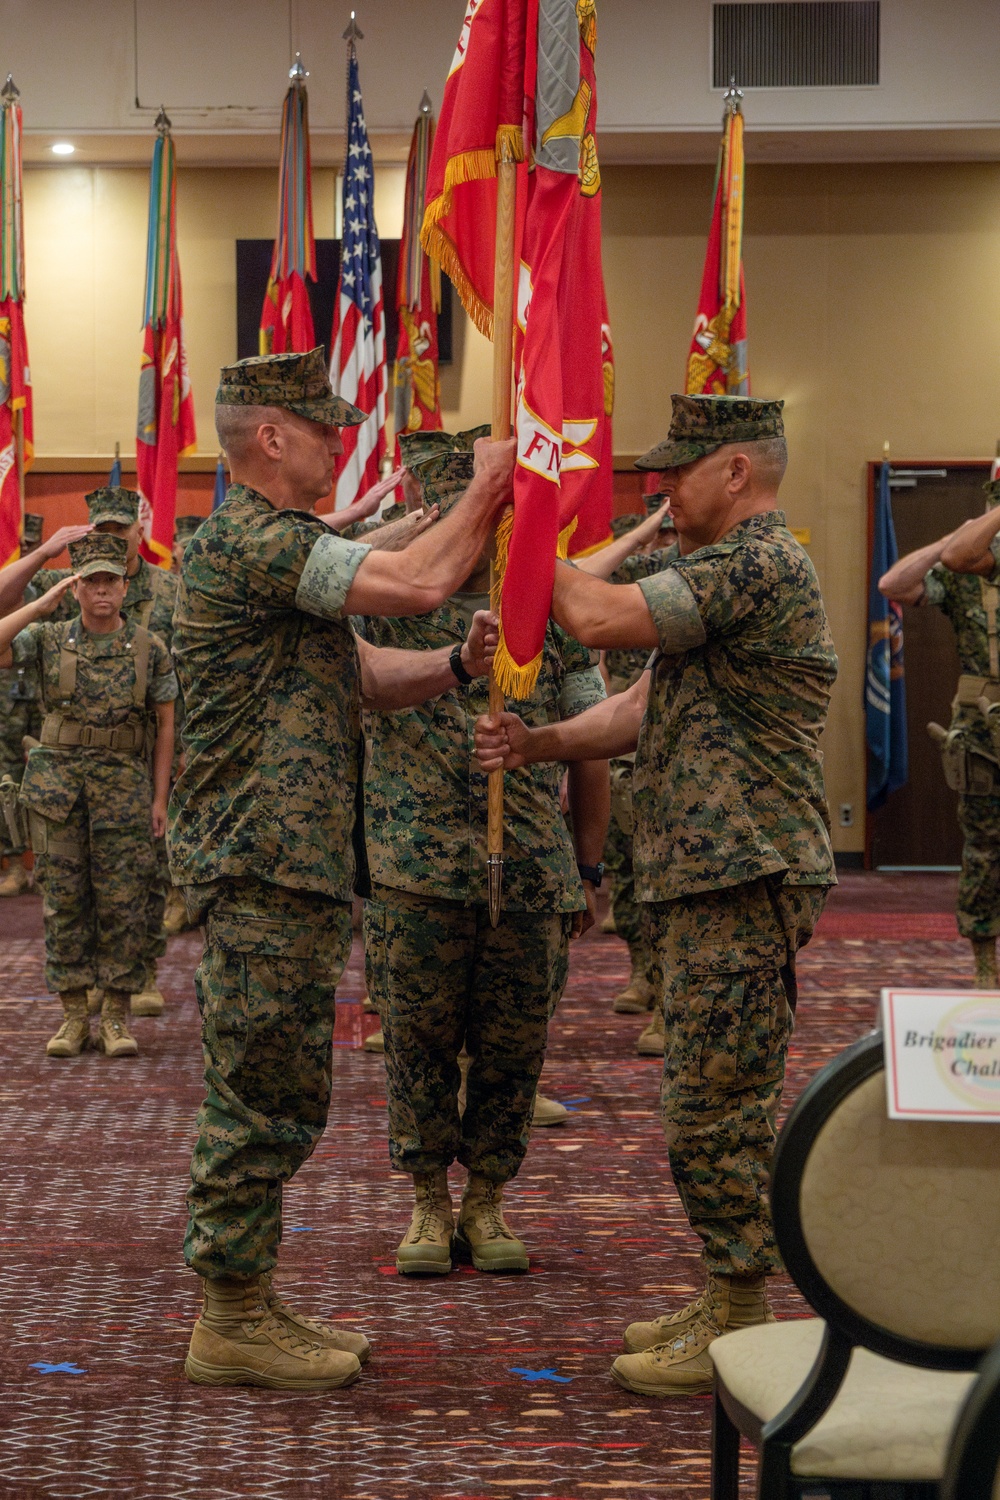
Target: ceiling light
column 63, row 148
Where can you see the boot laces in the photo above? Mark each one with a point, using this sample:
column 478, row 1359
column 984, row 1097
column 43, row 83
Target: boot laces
column 429, row 1210
column 694, row 1334
column 115, row 1025
column 496, row 1229
column 276, row 1304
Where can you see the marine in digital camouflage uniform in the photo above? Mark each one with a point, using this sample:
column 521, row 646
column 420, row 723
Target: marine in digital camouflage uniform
column 149, row 602
column 264, row 823
column 732, row 848
column 19, row 716
column 623, row 668
column 971, row 745
column 442, row 976
column 90, row 794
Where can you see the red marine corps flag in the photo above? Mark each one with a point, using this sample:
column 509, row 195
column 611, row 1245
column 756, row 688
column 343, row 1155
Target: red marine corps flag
column 526, row 73
column 16, row 447
column 166, row 405
column 286, row 321
column 418, row 298
column 717, row 363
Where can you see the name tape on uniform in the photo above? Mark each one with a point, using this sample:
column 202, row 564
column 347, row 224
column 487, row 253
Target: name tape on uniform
column 942, row 1054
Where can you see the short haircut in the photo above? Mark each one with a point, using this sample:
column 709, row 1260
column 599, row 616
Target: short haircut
column 770, row 459
column 237, row 425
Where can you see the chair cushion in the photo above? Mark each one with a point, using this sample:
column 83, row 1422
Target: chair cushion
column 888, row 1421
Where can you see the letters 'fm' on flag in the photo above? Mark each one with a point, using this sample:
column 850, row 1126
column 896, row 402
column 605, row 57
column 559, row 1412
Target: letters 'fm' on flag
column 357, row 362
column 165, row 429
column 286, row 321
column 523, row 71
column 417, row 403
column 717, row 362
column 885, row 682
column 15, row 376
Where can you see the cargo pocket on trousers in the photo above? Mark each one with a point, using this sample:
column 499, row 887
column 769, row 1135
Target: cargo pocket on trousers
column 248, row 959
column 724, row 1026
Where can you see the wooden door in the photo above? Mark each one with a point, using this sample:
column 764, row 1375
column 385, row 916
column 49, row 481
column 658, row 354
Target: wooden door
column 917, row 826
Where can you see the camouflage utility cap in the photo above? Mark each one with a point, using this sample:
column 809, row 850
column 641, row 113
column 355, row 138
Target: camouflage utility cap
column 32, row 529
column 112, row 503
column 298, row 382
column 991, row 487
column 185, row 527
column 443, row 462
column 621, row 525
column 700, row 424
column 97, row 552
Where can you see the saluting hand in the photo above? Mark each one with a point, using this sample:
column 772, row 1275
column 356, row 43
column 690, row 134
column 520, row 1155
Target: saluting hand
column 501, row 742
column 48, row 603
column 394, row 536
column 372, row 499
column 481, row 643
column 60, row 539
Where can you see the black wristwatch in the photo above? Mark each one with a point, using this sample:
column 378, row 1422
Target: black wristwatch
column 455, row 662
column 593, row 873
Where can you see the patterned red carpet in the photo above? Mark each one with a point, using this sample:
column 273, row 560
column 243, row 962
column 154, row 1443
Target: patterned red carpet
column 479, row 1388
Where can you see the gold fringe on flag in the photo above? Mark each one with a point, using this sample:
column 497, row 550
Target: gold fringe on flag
column 468, row 166
column 515, row 680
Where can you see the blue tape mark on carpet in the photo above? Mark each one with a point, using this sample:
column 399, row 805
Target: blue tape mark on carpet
column 529, row 1375
column 47, row 1369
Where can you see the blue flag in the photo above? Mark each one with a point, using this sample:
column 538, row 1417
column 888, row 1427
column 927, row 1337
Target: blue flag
column 219, row 493
column 885, row 683
column 115, row 477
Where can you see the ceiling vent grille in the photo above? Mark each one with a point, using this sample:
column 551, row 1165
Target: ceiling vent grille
column 794, row 44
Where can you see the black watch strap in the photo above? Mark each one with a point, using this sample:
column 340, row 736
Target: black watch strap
column 593, row 873
column 455, row 662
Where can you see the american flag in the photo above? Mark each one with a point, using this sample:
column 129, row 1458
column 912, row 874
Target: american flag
column 357, row 364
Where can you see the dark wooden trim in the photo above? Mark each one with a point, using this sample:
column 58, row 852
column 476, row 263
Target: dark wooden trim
column 974, row 1452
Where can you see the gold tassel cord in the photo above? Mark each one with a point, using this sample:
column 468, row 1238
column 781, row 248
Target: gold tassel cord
column 516, row 680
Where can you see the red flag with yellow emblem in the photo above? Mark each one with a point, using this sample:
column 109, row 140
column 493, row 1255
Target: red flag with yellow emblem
column 16, row 447
column 165, row 429
column 524, row 73
column 717, row 362
column 417, row 406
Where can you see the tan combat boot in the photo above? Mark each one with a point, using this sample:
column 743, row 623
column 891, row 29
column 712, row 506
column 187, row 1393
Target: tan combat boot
column 73, row 1036
column 368, row 1005
column 548, row 1111
column 682, row 1367
column 637, row 997
column 15, row 880
column 984, row 953
column 482, row 1233
column 727, row 1301
column 114, row 1037
column 175, row 917
column 149, row 1000
column 653, row 1041
column 608, row 925
column 325, row 1334
column 375, row 1042
column 237, row 1341
column 425, row 1249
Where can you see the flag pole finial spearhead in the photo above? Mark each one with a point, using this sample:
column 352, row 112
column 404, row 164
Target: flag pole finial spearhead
column 353, row 33
column 733, row 97
column 885, row 451
column 298, row 72
column 10, row 91
column 162, row 121
column 426, row 106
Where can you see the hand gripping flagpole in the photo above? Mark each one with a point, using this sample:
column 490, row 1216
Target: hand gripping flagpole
column 503, row 350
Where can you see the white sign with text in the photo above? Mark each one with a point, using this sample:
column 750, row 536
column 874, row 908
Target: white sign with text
column 942, row 1054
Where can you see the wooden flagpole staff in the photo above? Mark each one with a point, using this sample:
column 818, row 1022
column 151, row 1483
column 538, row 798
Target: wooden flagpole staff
column 503, row 351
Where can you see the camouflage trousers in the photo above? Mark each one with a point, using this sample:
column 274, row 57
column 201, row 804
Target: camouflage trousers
column 979, row 883
column 18, row 717
column 154, row 943
column 441, row 976
column 631, row 919
column 265, row 987
column 92, row 881
column 728, row 959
